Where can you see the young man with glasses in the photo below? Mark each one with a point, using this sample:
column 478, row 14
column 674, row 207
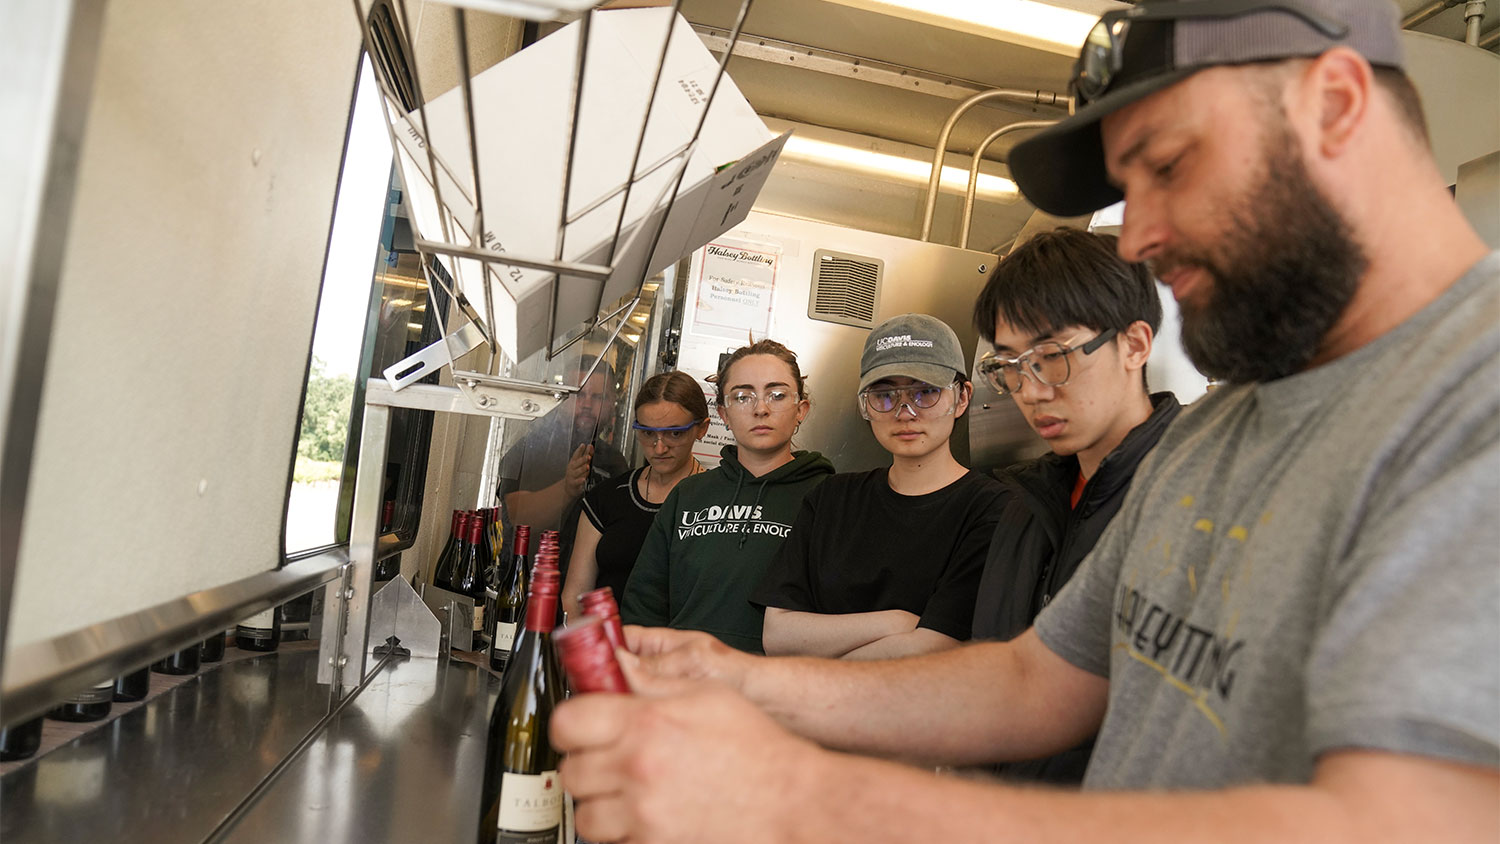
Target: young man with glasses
column 1288, row 632
column 1072, row 325
column 885, row 563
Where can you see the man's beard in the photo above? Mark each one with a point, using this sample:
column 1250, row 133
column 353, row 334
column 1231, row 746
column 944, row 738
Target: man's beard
column 1280, row 276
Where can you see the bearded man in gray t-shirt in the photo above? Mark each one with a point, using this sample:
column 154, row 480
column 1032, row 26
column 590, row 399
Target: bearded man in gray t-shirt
column 1297, row 606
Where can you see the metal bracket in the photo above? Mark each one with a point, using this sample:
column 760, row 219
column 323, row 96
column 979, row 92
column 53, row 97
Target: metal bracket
column 397, row 611
column 416, row 367
column 477, row 394
column 455, row 612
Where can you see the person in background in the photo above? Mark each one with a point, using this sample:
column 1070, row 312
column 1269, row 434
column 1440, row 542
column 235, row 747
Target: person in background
column 885, row 563
column 671, row 416
column 544, row 475
column 1072, row 325
column 709, row 545
column 1287, row 633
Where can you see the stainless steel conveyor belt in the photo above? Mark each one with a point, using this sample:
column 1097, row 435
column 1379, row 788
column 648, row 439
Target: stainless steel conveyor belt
column 401, row 761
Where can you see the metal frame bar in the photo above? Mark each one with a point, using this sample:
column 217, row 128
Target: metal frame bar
column 48, row 55
column 39, row 674
column 579, row 68
column 934, row 180
column 640, row 140
column 844, row 65
column 594, row 271
column 346, row 606
column 963, row 230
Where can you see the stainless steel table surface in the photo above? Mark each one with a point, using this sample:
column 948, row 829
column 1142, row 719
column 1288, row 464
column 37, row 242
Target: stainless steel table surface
column 401, row 762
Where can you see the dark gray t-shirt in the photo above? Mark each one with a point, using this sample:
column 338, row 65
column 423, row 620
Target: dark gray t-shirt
column 1308, row 565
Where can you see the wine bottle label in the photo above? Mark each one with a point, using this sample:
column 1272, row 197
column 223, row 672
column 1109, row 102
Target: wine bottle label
column 259, row 626
column 505, row 635
column 531, row 808
column 99, row 694
column 479, row 618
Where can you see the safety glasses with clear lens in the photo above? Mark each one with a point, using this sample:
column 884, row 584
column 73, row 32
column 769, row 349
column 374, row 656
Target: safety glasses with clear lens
column 1046, row 363
column 887, row 399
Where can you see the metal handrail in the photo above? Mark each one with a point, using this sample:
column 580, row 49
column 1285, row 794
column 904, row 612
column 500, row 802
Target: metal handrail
column 39, row 674
column 963, row 231
column 936, row 177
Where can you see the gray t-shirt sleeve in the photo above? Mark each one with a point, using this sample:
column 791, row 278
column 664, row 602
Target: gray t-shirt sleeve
column 1406, row 658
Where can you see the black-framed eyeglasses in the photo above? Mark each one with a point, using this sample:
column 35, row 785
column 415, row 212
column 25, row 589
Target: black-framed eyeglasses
column 1046, row 363
column 1103, row 52
column 670, row 434
column 887, row 399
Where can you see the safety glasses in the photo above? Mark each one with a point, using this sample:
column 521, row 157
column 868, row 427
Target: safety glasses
column 1046, row 363
column 1103, row 54
column 671, row 435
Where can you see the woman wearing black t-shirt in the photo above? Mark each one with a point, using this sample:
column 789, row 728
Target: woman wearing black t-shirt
column 887, row 563
column 670, row 415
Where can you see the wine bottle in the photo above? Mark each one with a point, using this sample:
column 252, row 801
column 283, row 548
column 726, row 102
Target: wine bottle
column 185, row 661
column 468, row 578
column 213, row 648
column 522, row 800
column 259, row 632
column 589, row 658
column 510, row 600
column 497, row 534
column 21, row 740
column 487, row 536
column 88, row 705
column 133, row 686
column 442, row 570
column 601, row 602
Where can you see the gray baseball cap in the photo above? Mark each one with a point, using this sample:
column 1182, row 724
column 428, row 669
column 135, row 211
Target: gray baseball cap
column 1135, row 52
column 915, row 346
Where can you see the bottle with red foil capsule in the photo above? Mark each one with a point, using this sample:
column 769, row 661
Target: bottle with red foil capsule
column 442, row 570
column 522, row 800
column 468, row 573
column 589, row 658
column 601, row 603
column 510, row 602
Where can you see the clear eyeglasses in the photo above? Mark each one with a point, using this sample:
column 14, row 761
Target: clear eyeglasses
column 775, row 401
column 887, row 399
column 671, row 435
column 1046, row 363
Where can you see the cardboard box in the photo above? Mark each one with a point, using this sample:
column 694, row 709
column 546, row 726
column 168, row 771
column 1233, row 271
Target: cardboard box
column 522, row 112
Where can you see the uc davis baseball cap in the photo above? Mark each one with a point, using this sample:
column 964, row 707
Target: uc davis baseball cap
column 915, row 346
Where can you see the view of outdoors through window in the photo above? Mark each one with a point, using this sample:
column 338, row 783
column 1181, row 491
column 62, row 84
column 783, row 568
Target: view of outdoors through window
column 342, row 310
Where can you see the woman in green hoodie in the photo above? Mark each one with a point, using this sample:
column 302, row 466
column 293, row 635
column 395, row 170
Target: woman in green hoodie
column 714, row 535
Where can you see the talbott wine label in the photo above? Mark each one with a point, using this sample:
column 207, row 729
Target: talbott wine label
column 505, row 635
column 531, row 808
column 479, row 618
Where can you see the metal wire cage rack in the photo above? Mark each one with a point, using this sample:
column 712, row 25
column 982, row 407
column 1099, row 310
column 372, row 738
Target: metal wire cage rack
column 546, row 189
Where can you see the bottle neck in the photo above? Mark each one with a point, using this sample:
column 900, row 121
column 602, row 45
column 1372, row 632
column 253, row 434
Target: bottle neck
column 541, row 612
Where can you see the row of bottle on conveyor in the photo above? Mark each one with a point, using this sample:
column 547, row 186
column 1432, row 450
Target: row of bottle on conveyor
column 260, row 632
column 473, row 562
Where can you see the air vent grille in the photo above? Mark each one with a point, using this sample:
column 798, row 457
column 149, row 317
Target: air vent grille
column 845, row 288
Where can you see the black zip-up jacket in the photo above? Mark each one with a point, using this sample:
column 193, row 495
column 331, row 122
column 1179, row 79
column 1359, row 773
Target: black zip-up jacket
column 1039, row 542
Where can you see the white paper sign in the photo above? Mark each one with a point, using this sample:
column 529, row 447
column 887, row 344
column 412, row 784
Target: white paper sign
column 735, row 286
